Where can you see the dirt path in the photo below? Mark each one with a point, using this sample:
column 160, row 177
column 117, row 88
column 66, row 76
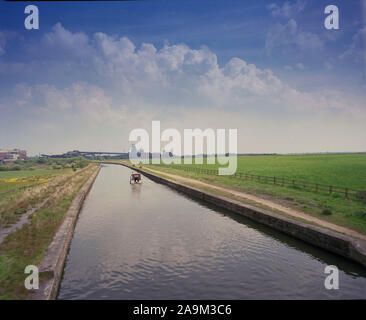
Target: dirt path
column 268, row 203
column 21, row 222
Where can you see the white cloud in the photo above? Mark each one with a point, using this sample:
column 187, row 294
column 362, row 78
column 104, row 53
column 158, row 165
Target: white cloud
column 2, row 43
column 5, row 36
column 286, row 35
column 329, row 66
column 80, row 101
column 173, row 77
column 287, row 10
column 298, row 66
column 130, row 86
column 356, row 49
column 61, row 41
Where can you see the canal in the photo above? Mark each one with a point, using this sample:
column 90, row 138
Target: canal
column 150, row 242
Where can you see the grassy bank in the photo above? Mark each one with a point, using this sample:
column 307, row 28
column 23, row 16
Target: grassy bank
column 21, row 173
column 27, row 245
column 26, row 183
column 345, row 170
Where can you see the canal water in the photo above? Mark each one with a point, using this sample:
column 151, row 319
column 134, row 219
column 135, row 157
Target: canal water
column 150, row 242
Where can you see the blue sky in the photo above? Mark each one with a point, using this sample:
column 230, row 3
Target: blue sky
column 95, row 70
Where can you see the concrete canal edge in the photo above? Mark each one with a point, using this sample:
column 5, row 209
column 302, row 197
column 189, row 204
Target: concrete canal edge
column 52, row 265
column 344, row 245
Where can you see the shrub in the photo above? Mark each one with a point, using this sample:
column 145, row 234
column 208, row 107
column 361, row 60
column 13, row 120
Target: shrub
column 41, row 160
column 20, row 211
column 360, row 214
column 327, row 212
column 82, row 163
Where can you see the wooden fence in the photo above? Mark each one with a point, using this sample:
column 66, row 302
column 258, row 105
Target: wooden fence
column 283, row 182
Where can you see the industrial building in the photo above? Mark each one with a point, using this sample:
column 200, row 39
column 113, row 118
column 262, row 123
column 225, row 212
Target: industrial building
column 12, row 155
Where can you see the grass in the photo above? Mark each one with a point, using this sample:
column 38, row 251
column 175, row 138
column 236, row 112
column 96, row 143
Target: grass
column 22, row 173
column 344, row 170
column 43, row 184
column 27, row 245
column 31, row 173
column 10, row 180
column 33, row 181
column 347, row 170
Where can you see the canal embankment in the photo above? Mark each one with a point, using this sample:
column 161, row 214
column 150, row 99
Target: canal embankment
column 52, row 264
column 342, row 244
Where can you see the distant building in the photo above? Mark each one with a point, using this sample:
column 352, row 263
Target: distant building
column 12, row 155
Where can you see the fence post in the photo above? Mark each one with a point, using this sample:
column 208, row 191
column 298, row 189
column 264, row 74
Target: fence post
column 274, row 180
column 346, row 193
column 316, row 188
column 330, row 189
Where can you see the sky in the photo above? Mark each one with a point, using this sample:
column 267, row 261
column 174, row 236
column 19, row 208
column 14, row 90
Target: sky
column 94, row 71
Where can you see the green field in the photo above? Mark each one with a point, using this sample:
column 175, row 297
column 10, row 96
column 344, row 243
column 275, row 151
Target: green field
column 34, row 171
column 31, row 173
column 16, row 179
column 343, row 170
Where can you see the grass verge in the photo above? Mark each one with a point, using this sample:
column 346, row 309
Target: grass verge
column 28, row 245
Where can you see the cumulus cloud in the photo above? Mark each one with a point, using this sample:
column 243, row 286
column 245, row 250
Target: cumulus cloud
column 61, row 41
column 176, row 81
column 80, row 102
column 147, row 68
column 170, row 78
column 287, row 10
column 287, row 35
